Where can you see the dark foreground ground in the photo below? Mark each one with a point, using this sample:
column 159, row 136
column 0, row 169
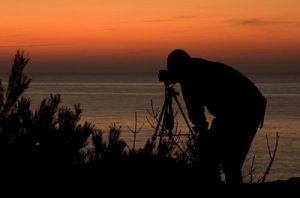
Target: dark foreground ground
column 112, row 182
column 117, row 187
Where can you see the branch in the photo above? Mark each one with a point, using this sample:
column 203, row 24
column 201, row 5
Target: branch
column 135, row 130
column 272, row 157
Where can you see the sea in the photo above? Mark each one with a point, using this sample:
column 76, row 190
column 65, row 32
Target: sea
column 133, row 101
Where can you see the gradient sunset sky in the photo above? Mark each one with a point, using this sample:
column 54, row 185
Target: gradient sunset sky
column 137, row 35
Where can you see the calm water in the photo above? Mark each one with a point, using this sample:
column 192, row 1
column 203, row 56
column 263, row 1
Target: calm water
column 108, row 98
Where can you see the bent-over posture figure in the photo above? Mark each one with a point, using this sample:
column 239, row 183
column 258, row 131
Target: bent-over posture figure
column 235, row 102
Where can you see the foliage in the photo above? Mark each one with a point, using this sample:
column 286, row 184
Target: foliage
column 51, row 139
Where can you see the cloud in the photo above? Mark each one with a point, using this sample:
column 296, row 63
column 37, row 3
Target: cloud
column 11, row 36
column 170, row 19
column 29, row 45
column 255, row 22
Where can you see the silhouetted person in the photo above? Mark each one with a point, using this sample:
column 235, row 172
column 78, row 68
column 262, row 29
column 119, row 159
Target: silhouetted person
column 235, row 102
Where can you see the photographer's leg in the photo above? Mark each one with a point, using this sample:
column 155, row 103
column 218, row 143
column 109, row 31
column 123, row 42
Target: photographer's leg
column 209, row 162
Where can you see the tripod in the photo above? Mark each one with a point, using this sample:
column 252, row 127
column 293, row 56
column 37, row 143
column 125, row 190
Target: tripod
column 167, row 118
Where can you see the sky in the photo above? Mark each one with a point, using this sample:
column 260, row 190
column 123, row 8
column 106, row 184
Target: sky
column 137, row 35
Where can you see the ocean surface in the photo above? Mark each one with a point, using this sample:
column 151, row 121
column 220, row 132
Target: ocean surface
column 127, row 100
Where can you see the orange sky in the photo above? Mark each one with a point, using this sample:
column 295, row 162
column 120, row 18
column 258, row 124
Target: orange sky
column 63, row 35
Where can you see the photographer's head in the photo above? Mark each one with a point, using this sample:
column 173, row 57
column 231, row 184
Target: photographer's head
column 176, row 60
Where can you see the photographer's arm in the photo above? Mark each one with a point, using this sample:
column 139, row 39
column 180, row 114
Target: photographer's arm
column 196, row 112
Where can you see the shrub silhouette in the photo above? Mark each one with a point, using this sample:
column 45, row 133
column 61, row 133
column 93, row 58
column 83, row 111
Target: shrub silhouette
column 51, row 140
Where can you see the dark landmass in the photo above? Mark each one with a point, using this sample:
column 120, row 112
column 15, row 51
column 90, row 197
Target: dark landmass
column 112, row 179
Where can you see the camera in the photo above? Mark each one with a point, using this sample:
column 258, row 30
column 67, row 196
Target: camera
column 166, row 77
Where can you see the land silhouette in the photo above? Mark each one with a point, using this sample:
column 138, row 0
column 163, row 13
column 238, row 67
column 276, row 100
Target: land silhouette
column 50, row 148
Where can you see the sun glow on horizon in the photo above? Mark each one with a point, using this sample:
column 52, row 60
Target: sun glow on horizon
column 143, row 33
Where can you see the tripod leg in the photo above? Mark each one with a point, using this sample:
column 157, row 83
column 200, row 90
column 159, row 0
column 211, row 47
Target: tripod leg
column 185, row 119
column 179, row 147
column 159, row 120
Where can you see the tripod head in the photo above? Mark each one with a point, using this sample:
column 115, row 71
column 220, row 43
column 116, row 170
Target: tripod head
column 170, row 90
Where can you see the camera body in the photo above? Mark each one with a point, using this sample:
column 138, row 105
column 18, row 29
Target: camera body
column 167, row 77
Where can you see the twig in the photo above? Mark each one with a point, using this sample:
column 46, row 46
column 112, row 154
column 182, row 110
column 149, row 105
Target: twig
column 135, row 131
column 272, row 157
column 154, row 114
column 252, row 169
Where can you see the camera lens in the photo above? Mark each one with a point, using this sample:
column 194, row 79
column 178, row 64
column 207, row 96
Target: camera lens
column 163, row 75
